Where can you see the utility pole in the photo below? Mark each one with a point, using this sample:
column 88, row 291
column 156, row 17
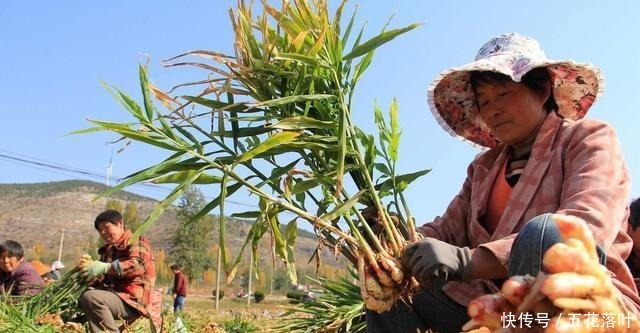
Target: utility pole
column 250, row 276
column 109, row 167
column 60, row 248
column 218, row 277
column 271, row 282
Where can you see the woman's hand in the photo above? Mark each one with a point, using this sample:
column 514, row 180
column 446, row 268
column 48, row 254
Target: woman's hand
column 430, row 259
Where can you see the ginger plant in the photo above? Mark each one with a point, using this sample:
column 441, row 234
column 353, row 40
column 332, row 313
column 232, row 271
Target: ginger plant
column 573, row 293
column 275, row 118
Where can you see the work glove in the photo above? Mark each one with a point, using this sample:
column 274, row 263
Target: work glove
column 431, row 260
column 94, row 270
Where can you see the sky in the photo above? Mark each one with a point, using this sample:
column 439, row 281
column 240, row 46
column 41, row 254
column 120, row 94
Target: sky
column 53, row 56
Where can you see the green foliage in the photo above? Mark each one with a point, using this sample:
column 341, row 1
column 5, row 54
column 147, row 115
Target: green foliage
column 239, row 325
column 337, row 304
column 189, row 243
column 274, row 119
column 214, row 293
column 259, row 296
column 129, row 212
column 280, row 280
column 294, row 295
column 130, row 216
column 93, row 244
column 115, row 205
column 59, row 298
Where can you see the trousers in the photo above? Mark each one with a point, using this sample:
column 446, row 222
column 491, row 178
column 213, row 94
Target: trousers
column 433, row 309
column 103, row 308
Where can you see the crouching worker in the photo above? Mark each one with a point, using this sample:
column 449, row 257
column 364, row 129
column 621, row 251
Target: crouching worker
column 17, row 276
column 543, row 158
column 121, row 281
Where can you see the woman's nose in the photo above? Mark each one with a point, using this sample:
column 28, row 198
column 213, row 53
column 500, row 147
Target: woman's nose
column 491, row 110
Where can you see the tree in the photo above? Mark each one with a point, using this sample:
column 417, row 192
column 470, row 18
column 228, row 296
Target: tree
column 280, row 279
column 114, row 204
column 37, row 251
column 129, row 212
column 130, row 216
column 189, row 244
column 163, row 273
column 91, row 246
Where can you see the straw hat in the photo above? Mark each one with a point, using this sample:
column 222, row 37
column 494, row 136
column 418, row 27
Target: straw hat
column 41, row 268
column 452, row 102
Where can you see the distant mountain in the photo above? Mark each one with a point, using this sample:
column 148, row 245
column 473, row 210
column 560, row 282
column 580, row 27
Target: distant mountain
column 36, row 213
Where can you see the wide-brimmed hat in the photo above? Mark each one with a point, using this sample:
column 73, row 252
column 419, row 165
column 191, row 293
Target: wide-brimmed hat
column 41, row 268
column 451, row 99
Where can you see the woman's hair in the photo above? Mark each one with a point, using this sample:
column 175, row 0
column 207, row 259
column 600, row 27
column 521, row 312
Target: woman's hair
column 634, row 217
column 110, row 215
column 12, row 249
column 176, row 267
column 537, row 80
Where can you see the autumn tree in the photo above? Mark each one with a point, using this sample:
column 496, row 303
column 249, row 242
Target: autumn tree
column 130, row 216
column 91, row 246
column 189, row 244
column 209, row 277
column 114, row 204
column 37, row 251
column 129, row 212
column 163, row 273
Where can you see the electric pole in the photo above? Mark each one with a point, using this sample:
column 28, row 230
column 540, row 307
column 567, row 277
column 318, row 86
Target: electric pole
column 109, row 167
column 60, row 248
column 218, row 277
column 250, row 276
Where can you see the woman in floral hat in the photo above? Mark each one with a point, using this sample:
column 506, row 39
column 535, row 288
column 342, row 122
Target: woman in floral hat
column 541, row 158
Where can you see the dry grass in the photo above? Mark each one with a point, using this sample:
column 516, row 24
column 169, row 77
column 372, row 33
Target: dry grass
column 200, row 312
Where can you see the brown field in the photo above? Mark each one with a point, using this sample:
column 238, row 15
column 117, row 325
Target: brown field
column 200, row 314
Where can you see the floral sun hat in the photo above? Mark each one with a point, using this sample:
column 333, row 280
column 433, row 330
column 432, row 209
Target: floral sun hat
column 452, row 102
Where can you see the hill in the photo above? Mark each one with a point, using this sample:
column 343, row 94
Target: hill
column 37, row 213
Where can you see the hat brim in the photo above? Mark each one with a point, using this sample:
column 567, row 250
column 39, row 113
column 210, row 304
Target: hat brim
column 57, row 265
column 452, row 101
column 41, row 268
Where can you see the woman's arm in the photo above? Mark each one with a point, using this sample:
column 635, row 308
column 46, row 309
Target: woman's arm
column 135, row 263
column 597, row 183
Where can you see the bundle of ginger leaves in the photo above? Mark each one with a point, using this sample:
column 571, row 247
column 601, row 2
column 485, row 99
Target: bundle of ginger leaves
column 275, row 119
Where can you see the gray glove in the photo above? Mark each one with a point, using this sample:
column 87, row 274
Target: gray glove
column 431, row 260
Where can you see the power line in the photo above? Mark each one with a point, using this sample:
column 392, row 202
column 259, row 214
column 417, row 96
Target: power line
column 58, row 168
column 68, row 171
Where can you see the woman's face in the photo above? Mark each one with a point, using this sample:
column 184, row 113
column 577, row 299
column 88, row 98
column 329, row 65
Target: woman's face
column 8, row 263
column 109, row 232
column 510, row 109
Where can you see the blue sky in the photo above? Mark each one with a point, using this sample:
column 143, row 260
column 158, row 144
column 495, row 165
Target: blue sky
column 54, row 55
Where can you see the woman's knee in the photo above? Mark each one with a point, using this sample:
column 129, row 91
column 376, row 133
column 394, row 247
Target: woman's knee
column 89, row 298
column 541, row 229
column 533, row 240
